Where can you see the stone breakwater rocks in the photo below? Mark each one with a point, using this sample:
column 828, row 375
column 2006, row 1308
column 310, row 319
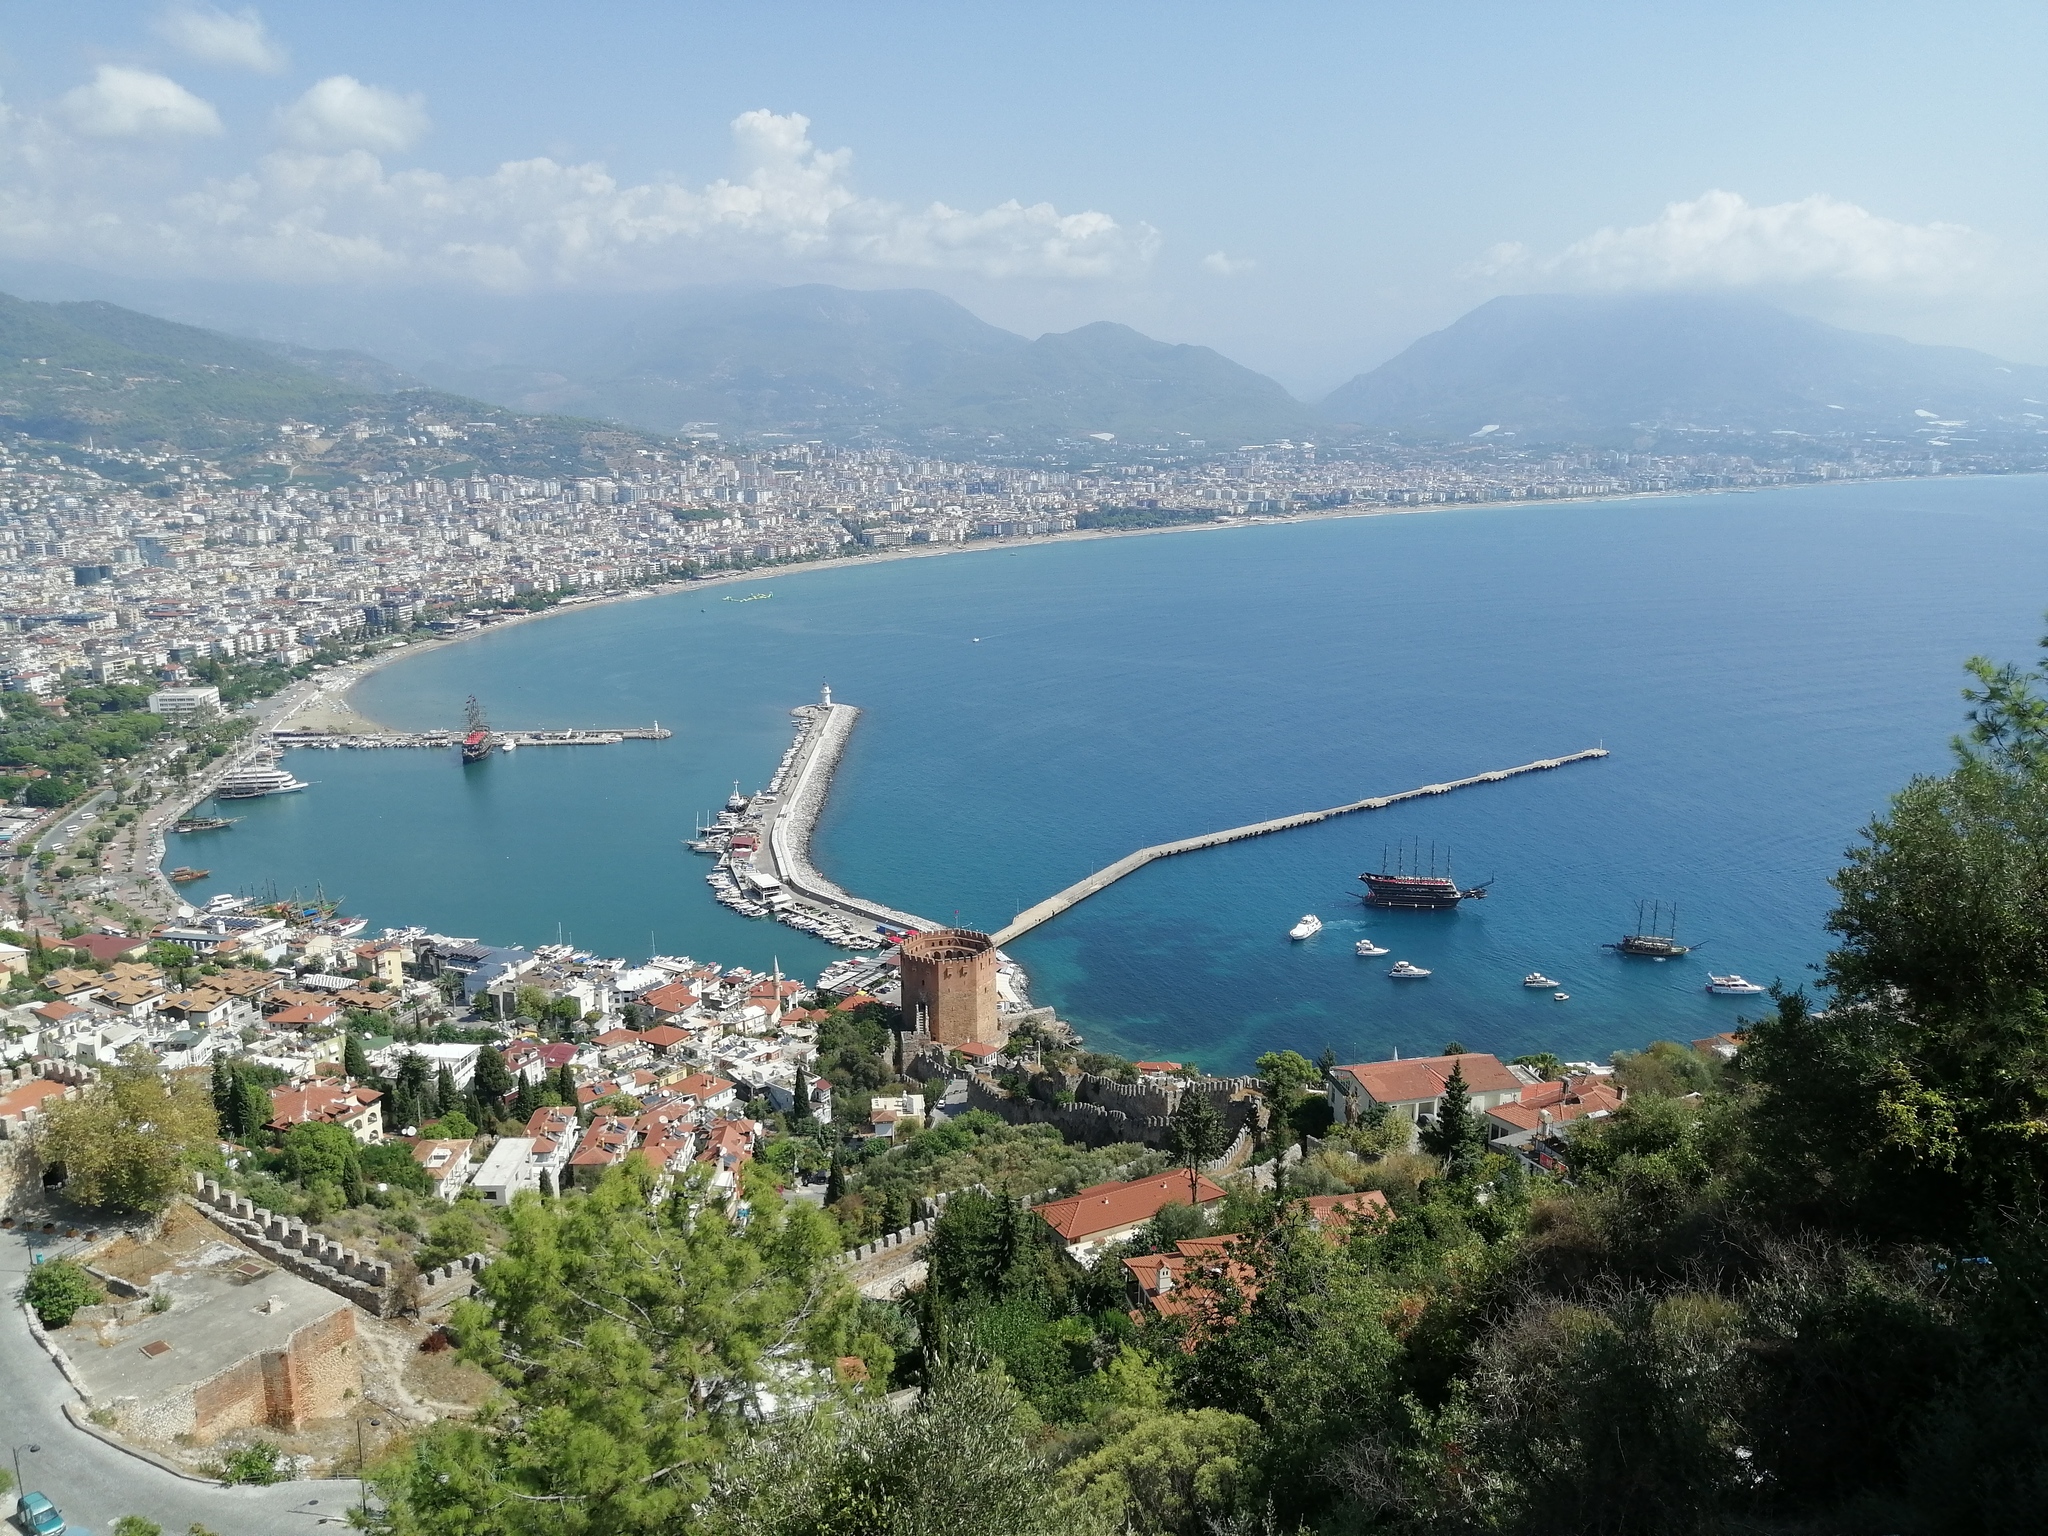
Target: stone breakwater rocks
column 290, row 1244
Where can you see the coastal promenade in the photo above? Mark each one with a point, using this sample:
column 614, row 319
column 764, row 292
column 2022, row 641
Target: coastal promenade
column 1102, row 879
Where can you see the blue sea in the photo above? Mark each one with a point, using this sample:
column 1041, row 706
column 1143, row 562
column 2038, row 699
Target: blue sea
column 1766, row 669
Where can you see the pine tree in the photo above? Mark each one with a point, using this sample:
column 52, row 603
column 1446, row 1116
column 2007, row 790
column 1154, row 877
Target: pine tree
column 1454, row 1132
column 493, row 1077
column 1197, row 1133
column 253, row 1109
column 353, row 1060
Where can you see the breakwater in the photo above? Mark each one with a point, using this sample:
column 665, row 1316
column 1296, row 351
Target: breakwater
column 596, row 736
column 1102, row 879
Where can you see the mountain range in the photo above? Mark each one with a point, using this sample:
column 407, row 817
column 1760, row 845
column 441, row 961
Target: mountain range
column 586, row 374
column 1600, row 368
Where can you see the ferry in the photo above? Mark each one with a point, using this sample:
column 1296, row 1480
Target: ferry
column 1307, row 928
column 1403, row 971
column 248, row 783
column 1366, row 948
column 1417, row 892
column 1537, row 979
column 1732, row 985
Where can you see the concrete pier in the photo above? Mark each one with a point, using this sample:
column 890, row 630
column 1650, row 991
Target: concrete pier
column 1102, row 879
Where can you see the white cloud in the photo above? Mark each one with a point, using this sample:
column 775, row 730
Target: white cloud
column 128, row 103
column 1226, row 266
column 1721, row 240
column 343, row 113
column 789, row 211
column 238, row 40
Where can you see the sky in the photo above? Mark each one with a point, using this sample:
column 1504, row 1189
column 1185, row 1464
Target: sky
column 1305, row 187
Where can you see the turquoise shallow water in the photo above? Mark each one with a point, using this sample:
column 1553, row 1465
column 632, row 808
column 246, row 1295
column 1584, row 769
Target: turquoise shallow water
column 1767, row 668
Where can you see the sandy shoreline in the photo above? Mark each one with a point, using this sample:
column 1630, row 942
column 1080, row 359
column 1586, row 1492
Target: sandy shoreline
column 344, row 716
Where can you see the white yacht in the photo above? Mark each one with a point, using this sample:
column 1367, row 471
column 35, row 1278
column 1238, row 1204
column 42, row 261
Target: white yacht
column 1732, row 985
column 507, row 744
column 1537, row 979
column 1307, row 928
column 248, row 782
column 1367, row 948
column 1562, row 997
column 1403, row 971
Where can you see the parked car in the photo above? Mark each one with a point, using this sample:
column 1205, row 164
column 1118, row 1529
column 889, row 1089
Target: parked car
column 37, row 1516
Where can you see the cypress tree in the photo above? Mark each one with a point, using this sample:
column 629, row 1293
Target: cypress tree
column 253, row 1109
column 353, row 1060
column 565, row 1086
column 224, row 1093
column 835, row 1182
column 1453, row 1131
column 525, row 1100
column 493, row 1077
column 446, row 1095
column 353, row 1189
column 800, row 1110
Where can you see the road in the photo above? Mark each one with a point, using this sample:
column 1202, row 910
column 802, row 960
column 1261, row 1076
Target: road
column 93, row 1482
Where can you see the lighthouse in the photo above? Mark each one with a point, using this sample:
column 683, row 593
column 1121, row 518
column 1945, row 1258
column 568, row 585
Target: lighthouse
column 826, row 695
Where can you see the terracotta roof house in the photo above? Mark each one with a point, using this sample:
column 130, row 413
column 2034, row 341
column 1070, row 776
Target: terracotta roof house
column 109, row 947
column 1411, row 1088
column 612, row 1038
column 356, row 1109
column 707, row 1090
column 1087, row 1222
column 1550, row 1105
column 74, row 983
column 1337, row 1215
column 605, row 1141
column 447, row 1163
column 664, row 1038
column 1194, row 1283
column 133, row 997
column 202, row 1007
column 670, row 1001
column 23, row 1101
column 306, row 1016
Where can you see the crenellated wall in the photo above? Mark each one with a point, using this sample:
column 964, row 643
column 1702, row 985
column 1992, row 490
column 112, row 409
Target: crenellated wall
column 291, row 1244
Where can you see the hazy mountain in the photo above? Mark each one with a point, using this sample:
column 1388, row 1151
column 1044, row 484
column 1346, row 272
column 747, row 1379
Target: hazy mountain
column 78, row 371
column 834, row 362
column 1603, row 368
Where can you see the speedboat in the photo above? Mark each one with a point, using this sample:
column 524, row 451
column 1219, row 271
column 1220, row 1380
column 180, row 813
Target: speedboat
column 1537, row 979
column 1403, row 971
column 1367, row 948
column 1307, row 928
column 1562, row 997
column 1732, row 985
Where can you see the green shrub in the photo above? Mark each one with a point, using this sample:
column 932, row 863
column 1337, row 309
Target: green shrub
column 58, row 1289
column 256, row 1462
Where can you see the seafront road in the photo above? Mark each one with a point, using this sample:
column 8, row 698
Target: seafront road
column 95, row 1483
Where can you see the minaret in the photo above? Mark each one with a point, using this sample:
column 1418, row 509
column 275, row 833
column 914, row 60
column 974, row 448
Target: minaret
column 775, row 1013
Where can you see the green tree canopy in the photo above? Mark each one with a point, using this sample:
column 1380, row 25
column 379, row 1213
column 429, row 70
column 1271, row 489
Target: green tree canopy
column 129, row 1141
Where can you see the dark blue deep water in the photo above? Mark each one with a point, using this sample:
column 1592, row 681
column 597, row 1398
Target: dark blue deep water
column 1767, row 669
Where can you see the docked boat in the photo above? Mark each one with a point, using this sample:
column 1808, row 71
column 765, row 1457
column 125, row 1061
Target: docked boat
column 508, row 745
column 1655, row 940
column 1307, row 928
column 1367, row 948
column 1732, row 985
column 201, row 823
column 476, row 741
column 1413, row 891
column 249, row 783
column 1403, row 971
column 1537, row 979
column 183, row 874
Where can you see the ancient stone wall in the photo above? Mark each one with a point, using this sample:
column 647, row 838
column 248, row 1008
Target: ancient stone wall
column 291, row 1244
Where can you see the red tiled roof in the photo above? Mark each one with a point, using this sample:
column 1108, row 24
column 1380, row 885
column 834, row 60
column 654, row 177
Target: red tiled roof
column 298, row 1103
column 1334, row 1213
column 107, row 947
column 671, row 997
column 618, row 1037
column 1423, row 1077
column 662, row 1036
column 1104, row 1207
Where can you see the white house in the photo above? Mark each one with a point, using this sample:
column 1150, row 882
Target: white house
column 509, row 1168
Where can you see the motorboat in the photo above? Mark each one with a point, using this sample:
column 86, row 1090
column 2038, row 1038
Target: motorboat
column 1367, row 949
column 1537, row 979
column 1307, row 928
column 1403, row 971
column 1732, row 985
column 1562, row 997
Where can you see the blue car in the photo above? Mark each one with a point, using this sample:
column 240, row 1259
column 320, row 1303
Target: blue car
column 37, row 1516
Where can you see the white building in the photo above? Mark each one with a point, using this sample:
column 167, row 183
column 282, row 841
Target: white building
column 509, row 1169
column 178, row 702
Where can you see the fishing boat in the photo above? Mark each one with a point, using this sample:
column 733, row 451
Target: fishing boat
column 1732, row 985
column 1537, row 979
column 1409, row 889
column 1403, row 971
column 1307, row 928
column 1366, row 948
column 1655, row 940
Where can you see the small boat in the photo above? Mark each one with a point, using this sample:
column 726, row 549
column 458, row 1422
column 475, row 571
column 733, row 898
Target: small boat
column 1367, row 948
column 1403, row 971
column 1307, row 928
column 202, row 823
column 508, row 745
column 1730, row 985
column 183, row 875
column 1562, row 997
column 1537, row 979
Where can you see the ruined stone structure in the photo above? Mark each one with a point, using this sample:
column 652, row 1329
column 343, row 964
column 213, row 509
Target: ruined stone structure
column 949, row 987
column 1103, row 1110
column 287, row 1241
column 314, row 1376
